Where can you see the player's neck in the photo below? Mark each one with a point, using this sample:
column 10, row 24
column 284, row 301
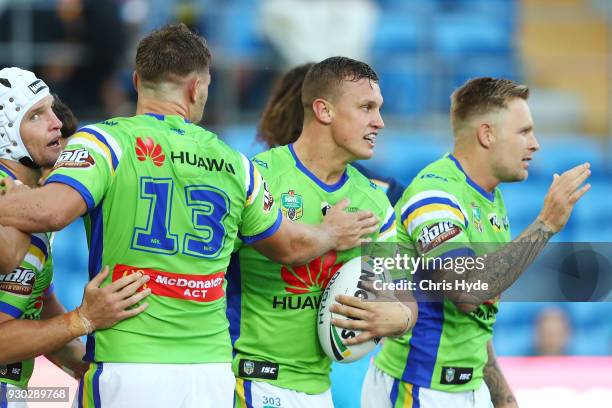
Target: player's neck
column 476, row 169
column 26, row 175
column 319, row 159
column 148, row 104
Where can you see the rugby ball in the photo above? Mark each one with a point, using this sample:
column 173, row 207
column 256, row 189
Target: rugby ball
column 344, row 282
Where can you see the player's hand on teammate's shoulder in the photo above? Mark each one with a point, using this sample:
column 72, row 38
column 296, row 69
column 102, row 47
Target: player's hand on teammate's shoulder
column 103, row 307
column 564, row 192
column 349, row 229
column 384, row 317
column 8, row 186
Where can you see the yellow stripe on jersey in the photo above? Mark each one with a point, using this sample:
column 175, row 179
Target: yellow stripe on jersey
column 435, row 210
column 35, row 257
column 257, row 179
column 89, row 140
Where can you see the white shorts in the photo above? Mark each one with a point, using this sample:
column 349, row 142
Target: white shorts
column 380, row 390
column 132, row 385
column 4, row 389
column 255, row 394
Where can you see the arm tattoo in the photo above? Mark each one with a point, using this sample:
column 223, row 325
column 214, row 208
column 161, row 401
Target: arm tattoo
column 501, row 394
column 502, row 268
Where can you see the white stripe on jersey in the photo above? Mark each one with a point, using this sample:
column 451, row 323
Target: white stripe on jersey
column 110, row 139
column 432, row 194
column 34, row 261
column 93, row 146
column 432, row 215
column 246, row 163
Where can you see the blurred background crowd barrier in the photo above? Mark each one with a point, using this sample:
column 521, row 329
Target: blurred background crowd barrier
column 422, row 50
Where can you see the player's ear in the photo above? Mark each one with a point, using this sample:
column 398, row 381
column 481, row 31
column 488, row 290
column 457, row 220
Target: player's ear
column 135, row 80
column 192, row 89
column 484, row 133
column 323, row 111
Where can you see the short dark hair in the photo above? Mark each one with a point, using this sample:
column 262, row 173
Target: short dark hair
column 482, row 95
column 283, row 117
column 324, row 78
column 65, row 115
column 172, row 51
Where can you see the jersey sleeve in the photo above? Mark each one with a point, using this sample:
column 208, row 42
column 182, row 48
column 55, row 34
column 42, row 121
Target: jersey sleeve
column 261, row 216
column 88, row 164
column 435, row 222
column 388, row 229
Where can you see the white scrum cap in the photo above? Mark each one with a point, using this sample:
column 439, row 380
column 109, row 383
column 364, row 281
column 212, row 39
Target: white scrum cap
column 19, row 91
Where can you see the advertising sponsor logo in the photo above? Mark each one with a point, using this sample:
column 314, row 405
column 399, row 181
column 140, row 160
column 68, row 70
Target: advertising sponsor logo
column 75, row 158
column 206, row 163
column 201, row 288
column 20, row 282
column 37, row 86
column 433, row 235
column 268, row 200
column 148, row 148
column 258, row 369
column 456, row 375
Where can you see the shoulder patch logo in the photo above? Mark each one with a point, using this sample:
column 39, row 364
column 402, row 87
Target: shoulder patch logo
column 268, row 199
column 20, row 282
column 433, row 235
column 148, row 148
column 75, row 158
column 292, row 205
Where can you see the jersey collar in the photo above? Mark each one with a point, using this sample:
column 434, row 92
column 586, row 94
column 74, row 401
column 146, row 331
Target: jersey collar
column 482, row 191
column 330, row 188
column 162, row 117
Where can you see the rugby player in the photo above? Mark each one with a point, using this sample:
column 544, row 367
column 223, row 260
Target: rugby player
column 283, row 117
column 452, row 205
column 273, row 306
column 32, row 320
column 166, row 198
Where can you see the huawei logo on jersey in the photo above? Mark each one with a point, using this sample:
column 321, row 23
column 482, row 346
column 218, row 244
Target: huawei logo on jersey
column 148, row 148
column 316, row 274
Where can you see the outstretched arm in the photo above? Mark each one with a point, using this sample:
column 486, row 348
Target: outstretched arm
column 297, row 244
column 101, row 308
column 45, row 209
column 503, row 268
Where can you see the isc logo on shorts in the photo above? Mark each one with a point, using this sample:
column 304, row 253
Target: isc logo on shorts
column 258, row 369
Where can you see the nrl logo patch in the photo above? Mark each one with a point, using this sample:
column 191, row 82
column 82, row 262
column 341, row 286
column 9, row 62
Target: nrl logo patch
column 292, row 205
column 450, row 375
column 79, row 158
column 249, row 367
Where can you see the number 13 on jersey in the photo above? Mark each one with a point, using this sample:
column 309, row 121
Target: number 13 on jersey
column 205, row 236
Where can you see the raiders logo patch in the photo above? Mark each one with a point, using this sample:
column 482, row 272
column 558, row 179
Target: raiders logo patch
column 79, row 158
column 433, row 235
column 268, row 200
column 20, row 282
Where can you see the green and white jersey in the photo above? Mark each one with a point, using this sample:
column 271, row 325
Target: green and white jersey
column 272, row 307
column 22, row 293
column 446, row 349
column 167, row 198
